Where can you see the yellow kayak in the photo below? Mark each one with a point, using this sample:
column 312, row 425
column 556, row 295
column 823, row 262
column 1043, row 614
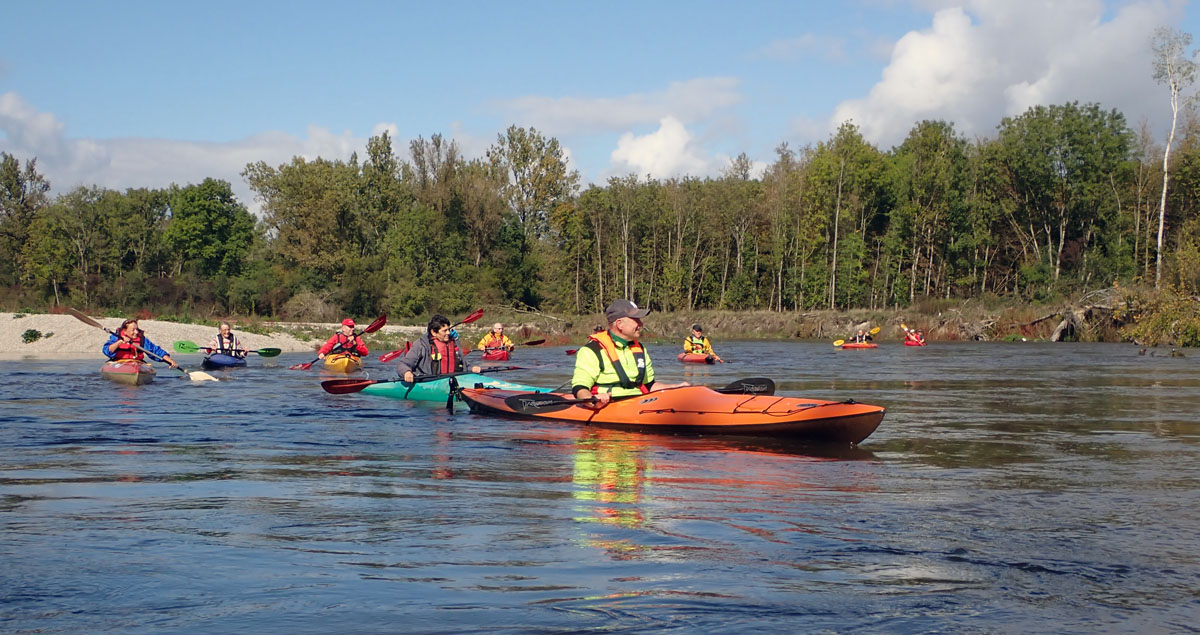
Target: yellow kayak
column 342, row 363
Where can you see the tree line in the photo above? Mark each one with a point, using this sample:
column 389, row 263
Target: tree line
column 1062, row 197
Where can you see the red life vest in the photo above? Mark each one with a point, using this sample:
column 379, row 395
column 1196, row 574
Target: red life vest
column 603, row 341
column 125, row 351
column 444, row 356
column 348, row 345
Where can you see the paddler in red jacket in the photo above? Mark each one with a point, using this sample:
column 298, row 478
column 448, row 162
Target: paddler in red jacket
column 351, row 342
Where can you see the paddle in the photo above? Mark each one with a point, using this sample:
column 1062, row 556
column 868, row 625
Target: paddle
column 497, row 348
column 542, row 403
column 471, row 317
column 539, row 403
column 194, row 376
column 874, row 331
column 750, row 386
column 390, row 355
column 185, row 346
column 374, row 326
column 346, row 386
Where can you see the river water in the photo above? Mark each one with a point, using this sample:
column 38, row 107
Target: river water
column 1022, row 487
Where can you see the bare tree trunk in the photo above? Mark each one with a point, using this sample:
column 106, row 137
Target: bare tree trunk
column 1162, row 203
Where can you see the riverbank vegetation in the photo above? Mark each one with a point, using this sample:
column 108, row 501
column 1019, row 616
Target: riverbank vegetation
column 1063, row 200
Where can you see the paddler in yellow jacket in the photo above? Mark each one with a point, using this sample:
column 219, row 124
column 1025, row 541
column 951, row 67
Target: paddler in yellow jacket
column 496, row 339
column 697, row 343
column 613, row 362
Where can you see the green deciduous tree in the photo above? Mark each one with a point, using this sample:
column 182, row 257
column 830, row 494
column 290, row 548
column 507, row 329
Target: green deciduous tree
column 210, row 231
column 23, row 192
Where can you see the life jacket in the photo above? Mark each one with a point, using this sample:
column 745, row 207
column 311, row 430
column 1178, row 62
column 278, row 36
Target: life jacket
column 444, row 356
column 493, row 341
column 221, row 344
column 124, row 351
column 603, row 342
column 348, row 347
column 697, row 344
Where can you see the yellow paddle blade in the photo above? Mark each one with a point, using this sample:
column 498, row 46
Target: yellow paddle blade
column 199, row 375
column 875, row 331
column 903, row 326
column 838, row 342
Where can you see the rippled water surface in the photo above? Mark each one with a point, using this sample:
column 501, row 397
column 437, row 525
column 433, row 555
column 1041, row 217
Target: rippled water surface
column 1011, row 487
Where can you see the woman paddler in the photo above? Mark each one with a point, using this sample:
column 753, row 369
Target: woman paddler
column 125, row 342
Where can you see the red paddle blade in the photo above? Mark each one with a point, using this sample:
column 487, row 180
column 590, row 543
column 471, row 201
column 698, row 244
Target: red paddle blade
column 475, row 315
column 304, row 366
column 346, row 386
column 376, row 325
column 389, row 356
column 534, row 342
column 571, row 351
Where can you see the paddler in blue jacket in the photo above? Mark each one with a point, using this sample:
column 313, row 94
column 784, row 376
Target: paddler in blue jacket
column 123, row 344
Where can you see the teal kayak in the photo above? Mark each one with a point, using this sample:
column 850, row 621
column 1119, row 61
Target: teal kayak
column 438, row 388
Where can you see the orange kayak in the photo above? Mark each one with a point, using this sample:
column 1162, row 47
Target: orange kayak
column 859, row 345
column 694, row 409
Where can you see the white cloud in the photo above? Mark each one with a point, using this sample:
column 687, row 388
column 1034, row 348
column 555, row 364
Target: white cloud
column 138, row 162
column 688, row 101
column 982, row 60
column 790, row 49
column 666, row 152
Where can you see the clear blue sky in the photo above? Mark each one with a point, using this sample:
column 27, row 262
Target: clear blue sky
column 147, row 93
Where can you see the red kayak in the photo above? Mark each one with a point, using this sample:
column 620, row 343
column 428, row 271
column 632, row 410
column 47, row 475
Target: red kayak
column 496, row 355
column 696, row 358
column 860, row 345
column 913, row 343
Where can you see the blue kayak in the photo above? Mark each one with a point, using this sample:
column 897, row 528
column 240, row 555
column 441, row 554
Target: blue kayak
column 217, row 361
